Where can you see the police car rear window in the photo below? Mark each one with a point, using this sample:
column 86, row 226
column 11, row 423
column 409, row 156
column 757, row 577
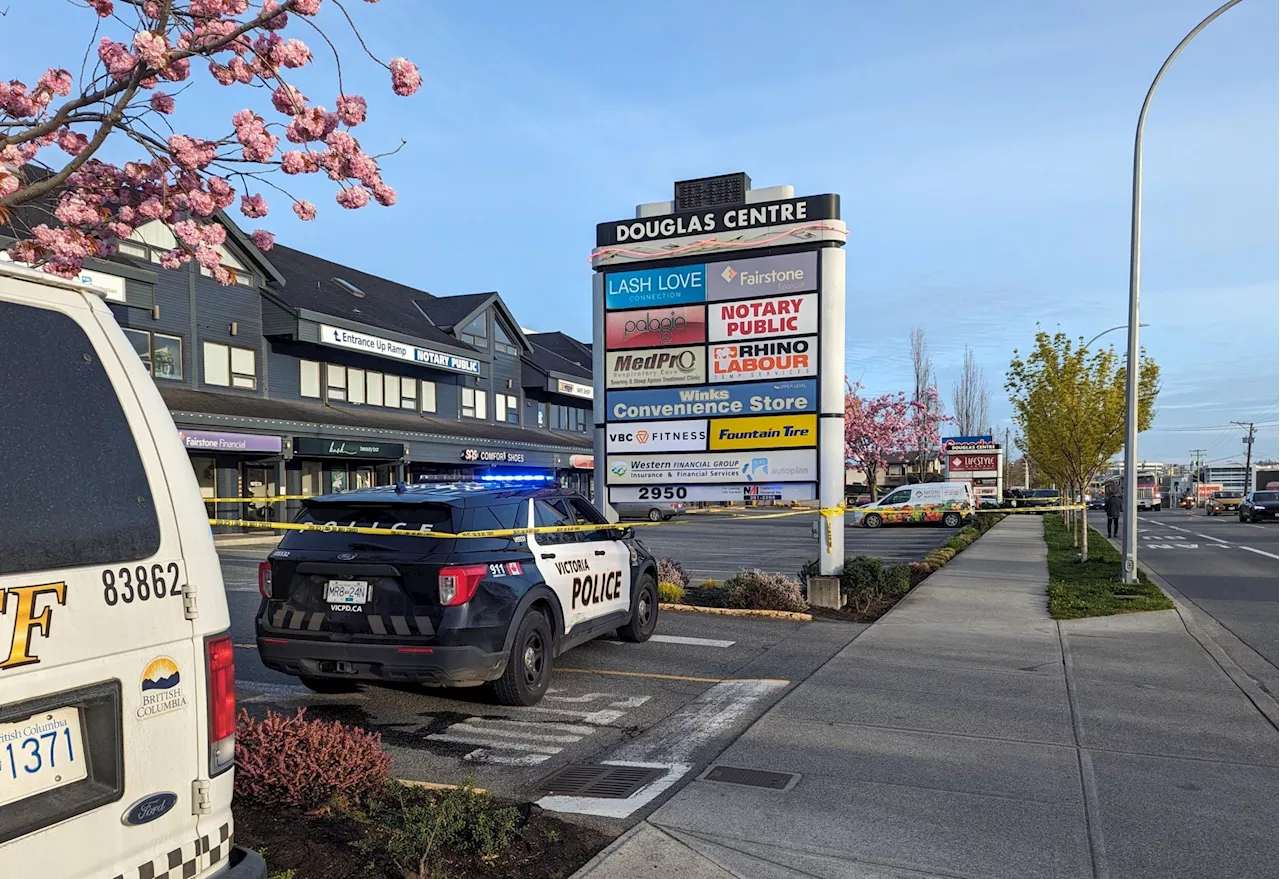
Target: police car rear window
column 413, row 519
column 89, row 502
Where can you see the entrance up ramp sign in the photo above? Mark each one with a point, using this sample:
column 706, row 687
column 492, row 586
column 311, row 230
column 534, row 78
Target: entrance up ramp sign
column 719, row 351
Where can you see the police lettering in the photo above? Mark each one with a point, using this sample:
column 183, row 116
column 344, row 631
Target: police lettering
column 594, row 588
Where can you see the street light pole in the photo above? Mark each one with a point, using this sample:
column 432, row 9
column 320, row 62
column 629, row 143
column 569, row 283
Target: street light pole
column 1104, row 332
column 1129, row 541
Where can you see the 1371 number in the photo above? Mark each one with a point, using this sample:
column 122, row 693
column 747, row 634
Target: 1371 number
column 663, row 493
column 140, row 583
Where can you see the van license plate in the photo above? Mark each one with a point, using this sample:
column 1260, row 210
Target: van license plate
column 347, row 591
column 43, row 752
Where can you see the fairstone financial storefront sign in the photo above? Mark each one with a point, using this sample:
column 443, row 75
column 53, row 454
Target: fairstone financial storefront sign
column 340, row 338
column 215, row 441
column 763, row 276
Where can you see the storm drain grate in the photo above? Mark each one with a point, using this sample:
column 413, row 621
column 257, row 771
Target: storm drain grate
column 597, row 780
column 751, row 777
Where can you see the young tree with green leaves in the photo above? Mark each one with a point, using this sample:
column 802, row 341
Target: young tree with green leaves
column 1068, row 402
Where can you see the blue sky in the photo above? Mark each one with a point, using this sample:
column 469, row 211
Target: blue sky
column 982, row 151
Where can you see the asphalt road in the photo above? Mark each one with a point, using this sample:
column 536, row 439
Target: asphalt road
column 1224, row 567
column 717, row 545
column 672, row 703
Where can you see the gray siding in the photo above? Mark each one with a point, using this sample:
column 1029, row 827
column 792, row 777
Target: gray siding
column 277, row 321
column 216, row 308
column 506, row 367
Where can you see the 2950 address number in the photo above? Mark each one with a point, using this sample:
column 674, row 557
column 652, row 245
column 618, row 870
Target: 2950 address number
column 140, row 583
column 663, row 493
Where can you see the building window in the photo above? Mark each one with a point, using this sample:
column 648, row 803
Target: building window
column 428, row 396
column 336, row 381
column 373, row 387
column 409, row 394
column 309, row 378
column 391, row 391
column 230, row 367
column 476, row 333
column 355, row 385
column 161, row 354
column 506, row 407
column 502, row 342
column 474, row 403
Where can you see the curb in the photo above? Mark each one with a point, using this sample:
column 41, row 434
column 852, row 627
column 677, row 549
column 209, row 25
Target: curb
column 605, row 853
column 435, row 785
column 735, row 612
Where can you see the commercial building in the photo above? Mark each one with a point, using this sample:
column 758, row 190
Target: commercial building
column 307, row 376
column 1232, row 477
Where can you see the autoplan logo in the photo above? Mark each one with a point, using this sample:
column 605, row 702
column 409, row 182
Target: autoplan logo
column 729, row 274
column 757, row 465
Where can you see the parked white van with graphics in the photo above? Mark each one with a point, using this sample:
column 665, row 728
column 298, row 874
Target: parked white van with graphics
column 948, row 503
column 117, row 686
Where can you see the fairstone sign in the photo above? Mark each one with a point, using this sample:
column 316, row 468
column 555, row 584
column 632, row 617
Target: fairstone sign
column 719, row 351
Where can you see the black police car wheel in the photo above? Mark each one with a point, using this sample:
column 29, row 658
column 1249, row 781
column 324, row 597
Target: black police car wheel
column 528, row 670
column 644, row 616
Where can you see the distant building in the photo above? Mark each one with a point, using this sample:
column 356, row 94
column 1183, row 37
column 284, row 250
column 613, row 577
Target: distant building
column 1232, row 477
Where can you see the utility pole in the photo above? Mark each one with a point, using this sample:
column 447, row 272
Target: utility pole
column 1248, row 456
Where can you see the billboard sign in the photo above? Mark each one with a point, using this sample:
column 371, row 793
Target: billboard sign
column 653, row 367
column 968, row 443
column 807, row 209
column 755, row 361
column 762, row 318
column 766, row 432
column 652, row 327
column 972, row 463
column 703, row 467
column 756, row 491
column 763, row 276
column 657, row 436
column 390, row 348
column 655, row 287
column 755, row 398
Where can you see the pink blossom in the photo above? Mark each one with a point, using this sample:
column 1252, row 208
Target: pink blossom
column 405, row 78
column 364, row 168
column 208, row 256
column 201, row 204
column 9, row 184
column 288, row 100
column 57, row 82
column 295, row 162
column 162, row 103
column 276, row 22
column 221, row 191
column 223, row 75
column 104, row 8
column 253, row 205
column 307, row 7
column 151, row 47
column 259, row 145
column 241, row 70
column 172, row 259
column 177, row 71
column 191, row 153
column 353, row 197
column 15, row 101
column 75, row 211
column 151, row 8
column 384, row 194
column 223, row 276
column 305, row 210
column 293, row 53
column 116, row 56
column 313, row 123
column 262, row 239
column 352, row 109
column 214, row 234
column 71, row 142
column 188, row 232
column 151, row 208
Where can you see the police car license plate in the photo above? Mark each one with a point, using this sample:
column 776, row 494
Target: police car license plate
column 346, row 591
column 43, row 752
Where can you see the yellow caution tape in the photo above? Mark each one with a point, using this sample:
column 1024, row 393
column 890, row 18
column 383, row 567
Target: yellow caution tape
column 1033, row 509
column 246, row 500
column 404, row 532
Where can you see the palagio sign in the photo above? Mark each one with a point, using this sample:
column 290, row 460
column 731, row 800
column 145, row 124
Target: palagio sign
column 654, row 287
column 767, row 432
column 762, row 276
column 708, row 467
column 758, row 318
column 652, row 327
column 757, row 398
column 647, row 367
column 656, row 436
column 769, row 491
column 753, row 361
column 340, row 338
column 810, row 208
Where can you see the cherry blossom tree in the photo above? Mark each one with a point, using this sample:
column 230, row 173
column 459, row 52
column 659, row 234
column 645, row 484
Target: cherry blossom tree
column 890, row 425
column 145, row 65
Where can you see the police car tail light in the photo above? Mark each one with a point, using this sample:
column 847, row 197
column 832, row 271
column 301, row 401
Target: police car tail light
column 458, row 583
column 264, row 579
column 222, row 703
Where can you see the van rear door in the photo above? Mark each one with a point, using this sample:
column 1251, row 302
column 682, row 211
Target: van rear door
column 101, row 681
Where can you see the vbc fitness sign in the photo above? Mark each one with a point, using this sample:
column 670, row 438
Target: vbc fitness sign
column 709, row 369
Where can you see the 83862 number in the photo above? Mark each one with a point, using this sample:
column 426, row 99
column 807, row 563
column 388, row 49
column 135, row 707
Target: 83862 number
column 141, row 583
column 663, row 493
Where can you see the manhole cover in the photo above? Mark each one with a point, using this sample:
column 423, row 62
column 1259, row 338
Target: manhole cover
column 751, row 777
column 597, row 780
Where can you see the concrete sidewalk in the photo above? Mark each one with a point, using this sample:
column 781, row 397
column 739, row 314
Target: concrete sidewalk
column 967, row 734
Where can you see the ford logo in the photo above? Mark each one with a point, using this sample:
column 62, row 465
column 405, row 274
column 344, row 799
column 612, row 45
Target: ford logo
column 149, row 808
column 346, row 556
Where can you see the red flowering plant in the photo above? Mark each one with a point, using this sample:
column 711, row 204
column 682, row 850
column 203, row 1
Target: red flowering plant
column 51, row 131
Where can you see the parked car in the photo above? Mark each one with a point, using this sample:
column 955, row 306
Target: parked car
column 117, row 699
column 654, row 511
column 948, row 503
column 1035, row 497
column 1259, row 505
column 339, row 609
column 1223, row 502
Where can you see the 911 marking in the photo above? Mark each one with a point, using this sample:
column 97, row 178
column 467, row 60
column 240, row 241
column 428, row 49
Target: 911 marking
column 594, row 588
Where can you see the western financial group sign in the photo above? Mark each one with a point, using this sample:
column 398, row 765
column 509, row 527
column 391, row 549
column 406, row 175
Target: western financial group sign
column 710, row 372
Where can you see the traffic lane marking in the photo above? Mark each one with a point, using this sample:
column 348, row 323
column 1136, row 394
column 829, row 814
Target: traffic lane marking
column 692, row 642
column 1259, row 552
column 656, row 676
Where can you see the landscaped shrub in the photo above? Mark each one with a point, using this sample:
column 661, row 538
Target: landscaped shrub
column 430, row 824
column 293, row 761
column 760, row 590
column 670, row 593
column 920, row 570
column 671, row 571
column 984, row 521
column 955, row 544
column 896, row 580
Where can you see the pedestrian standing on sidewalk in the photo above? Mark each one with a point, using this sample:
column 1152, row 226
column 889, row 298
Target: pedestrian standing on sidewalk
column 1113, row 507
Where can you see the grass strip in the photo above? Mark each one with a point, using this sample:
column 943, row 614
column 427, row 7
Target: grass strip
column 1093, row 588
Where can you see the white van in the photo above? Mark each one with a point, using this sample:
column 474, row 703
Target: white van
column 117, row 686
column 949, row 503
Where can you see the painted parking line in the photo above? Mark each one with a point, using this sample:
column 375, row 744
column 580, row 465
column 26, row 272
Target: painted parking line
column 1211, row 537
column 681, row 639
column 671, row 744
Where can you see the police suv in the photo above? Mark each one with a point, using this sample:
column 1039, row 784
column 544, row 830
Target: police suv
column 423, row 606
column 117, row 681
